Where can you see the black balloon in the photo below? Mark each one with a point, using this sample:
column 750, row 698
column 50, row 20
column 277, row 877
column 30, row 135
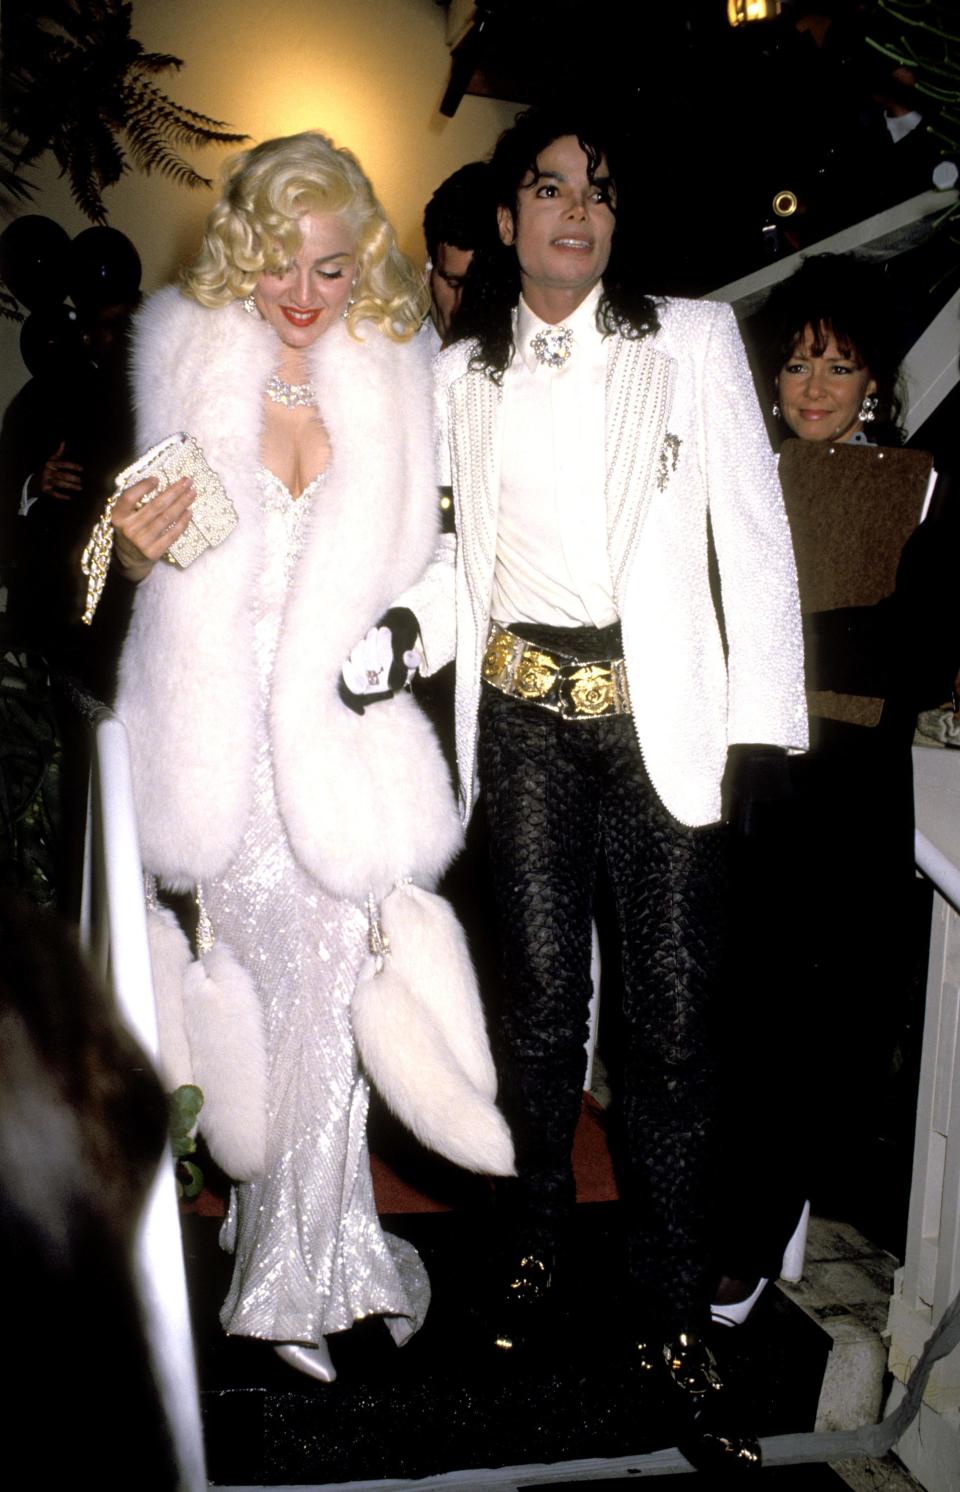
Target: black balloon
column 103, row 268
column 52, row 343
column 33, row 260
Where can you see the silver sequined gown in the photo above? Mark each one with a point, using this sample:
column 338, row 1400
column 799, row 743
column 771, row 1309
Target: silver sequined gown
column 311, row 1257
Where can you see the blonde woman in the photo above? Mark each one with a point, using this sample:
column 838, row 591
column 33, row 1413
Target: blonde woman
column 286, row 352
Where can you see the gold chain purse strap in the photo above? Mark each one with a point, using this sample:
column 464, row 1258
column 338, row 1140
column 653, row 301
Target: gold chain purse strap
column 95, row 560
column 96, row 557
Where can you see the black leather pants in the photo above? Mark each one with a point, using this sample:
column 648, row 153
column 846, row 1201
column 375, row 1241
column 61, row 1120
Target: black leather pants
column 560, row 794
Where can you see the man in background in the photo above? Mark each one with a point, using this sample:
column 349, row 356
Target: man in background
column 454, row 222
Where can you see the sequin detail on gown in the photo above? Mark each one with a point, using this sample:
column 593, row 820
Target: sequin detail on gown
column 311, row 1257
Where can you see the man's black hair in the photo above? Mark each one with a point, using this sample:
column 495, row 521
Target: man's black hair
column 461, row 211
column 492, row 288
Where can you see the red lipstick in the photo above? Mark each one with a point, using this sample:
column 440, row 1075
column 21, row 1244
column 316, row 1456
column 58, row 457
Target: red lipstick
column 297, row 317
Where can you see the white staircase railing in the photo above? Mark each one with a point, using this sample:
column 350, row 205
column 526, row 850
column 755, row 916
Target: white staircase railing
column 113, row 934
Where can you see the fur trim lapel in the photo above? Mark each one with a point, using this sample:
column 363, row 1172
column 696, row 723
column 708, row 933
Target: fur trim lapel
column 186, row 673
column 368, row 810
column 373, row 527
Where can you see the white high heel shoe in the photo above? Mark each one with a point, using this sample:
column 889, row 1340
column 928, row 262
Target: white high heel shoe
column 315, row 1361
column 791, row 1270
column 737, row 1311
column 795, row 1252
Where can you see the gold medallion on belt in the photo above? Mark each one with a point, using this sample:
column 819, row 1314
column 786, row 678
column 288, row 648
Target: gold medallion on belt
column 568, row 686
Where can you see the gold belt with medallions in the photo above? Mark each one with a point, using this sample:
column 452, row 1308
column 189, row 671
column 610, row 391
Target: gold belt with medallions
column 568, row 686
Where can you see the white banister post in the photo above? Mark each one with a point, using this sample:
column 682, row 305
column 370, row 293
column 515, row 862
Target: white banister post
column 930, row 1277
column 113, row 930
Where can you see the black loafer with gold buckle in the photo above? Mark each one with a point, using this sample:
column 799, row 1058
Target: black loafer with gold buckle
column 709, row 1433
column 519, row 1301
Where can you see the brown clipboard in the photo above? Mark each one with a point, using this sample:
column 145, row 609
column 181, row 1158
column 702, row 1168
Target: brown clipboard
column 851, row 508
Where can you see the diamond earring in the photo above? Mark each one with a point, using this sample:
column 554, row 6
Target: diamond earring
column 866, row 413
column 249, row 304
column 775, row 410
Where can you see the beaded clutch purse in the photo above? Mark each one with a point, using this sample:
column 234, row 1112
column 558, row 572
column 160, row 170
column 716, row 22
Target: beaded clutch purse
column 212, row 518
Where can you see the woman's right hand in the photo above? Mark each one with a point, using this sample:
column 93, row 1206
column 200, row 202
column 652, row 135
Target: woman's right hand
column 145, row 525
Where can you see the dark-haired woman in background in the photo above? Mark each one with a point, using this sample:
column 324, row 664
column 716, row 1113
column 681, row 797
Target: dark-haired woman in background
column 826, row 891
column 834, row 345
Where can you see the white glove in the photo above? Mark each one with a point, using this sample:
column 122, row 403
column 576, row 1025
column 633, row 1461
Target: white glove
column 367, row 670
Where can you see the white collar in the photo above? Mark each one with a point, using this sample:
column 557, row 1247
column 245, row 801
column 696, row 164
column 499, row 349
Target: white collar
column 582, row 323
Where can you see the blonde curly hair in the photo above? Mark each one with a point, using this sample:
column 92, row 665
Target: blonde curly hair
column 254, row 228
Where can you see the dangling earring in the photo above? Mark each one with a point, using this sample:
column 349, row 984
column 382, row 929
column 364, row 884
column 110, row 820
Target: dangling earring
column 775, row 410
column 867, row 408
column 350, row 302
column 249, row 304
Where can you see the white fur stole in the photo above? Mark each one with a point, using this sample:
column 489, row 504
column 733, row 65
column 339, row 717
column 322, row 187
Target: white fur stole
column 210, row 1029
column 420, row 1031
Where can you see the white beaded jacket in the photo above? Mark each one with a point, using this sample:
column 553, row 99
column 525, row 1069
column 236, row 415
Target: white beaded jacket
column 364, row 799
column 684, row 440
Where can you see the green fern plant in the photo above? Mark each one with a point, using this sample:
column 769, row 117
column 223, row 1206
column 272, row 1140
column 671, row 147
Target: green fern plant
column 79, row 85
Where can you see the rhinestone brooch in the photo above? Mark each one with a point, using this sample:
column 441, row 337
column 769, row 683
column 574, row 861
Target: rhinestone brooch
column 553, row 346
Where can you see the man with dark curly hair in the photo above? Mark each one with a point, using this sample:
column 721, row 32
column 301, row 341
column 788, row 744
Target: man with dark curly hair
column 600, row 444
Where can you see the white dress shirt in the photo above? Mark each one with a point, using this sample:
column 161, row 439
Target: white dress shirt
column 552, row 563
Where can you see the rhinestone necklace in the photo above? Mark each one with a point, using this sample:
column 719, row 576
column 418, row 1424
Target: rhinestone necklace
column 291, row 395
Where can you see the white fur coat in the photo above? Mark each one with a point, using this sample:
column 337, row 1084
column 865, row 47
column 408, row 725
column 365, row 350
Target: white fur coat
column 364, row 799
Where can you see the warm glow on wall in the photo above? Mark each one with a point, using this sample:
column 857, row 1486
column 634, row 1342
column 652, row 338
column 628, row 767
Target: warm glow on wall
column 741, row 11
column 370, row 73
